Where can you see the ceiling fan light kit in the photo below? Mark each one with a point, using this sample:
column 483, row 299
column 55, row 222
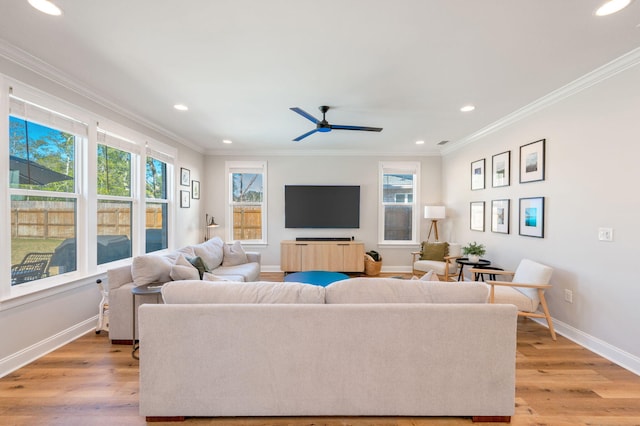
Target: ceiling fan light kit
column 324, row 126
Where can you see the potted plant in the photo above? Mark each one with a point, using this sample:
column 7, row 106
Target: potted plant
column 473, row 251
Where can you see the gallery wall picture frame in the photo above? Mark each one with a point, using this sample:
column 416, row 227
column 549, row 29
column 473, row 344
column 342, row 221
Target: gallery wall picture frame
column 477, row 174
column 476, row 219
column 185, row 176
column 532, row 217
column 185, row 198
column 501, row 169
column 532, row 161
column 195, row 189
column 500, row 216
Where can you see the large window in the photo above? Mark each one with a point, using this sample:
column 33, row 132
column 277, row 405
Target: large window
column 79, row 197
column 247, row 201
column 43, row 188
column 398, row 202
column 115, row 201
column 157, row 205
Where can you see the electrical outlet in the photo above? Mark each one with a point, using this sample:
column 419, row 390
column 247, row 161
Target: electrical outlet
column 605, row 234
column 568, row 296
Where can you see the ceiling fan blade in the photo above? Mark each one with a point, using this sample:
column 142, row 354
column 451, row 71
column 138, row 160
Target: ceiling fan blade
column 363, row 128
column 305, row 114
column 299, row 138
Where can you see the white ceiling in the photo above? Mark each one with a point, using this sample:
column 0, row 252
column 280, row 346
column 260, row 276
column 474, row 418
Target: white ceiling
column 404, row 65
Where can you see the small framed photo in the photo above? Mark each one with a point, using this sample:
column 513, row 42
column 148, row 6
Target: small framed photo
column 195, row 189
column 185, row 176
column 185, row 199
column 477, row 216
column 532, row 217
column 501, row 169
column 477, row 174
column 500, row 216
column 532, row 161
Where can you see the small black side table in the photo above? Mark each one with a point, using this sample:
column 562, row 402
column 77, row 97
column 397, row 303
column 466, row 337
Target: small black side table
column 465, row 261
column 142, row 290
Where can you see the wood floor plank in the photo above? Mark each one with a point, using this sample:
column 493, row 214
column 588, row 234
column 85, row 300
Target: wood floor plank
column 90, row 382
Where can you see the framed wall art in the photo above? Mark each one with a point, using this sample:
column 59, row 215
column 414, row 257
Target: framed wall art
column 195, row 189
column 532, row 217
column 477, row 216
column 185, row 199
column 185, row 176
column 501, row 169
column 477, row 174
column 532, row 161
column 500, row 216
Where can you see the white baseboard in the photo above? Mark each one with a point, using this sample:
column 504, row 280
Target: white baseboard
column 20, row 359
column 616, row 355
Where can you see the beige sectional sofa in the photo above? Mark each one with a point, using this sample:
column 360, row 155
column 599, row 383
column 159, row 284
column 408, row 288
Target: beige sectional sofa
column 223, row 262
column 359, row 347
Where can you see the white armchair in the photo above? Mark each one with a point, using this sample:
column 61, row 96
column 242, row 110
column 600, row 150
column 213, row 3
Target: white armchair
column 526, row 290
column 442, row 260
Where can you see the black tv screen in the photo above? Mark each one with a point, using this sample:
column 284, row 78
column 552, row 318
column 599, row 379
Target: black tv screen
column 321, row 206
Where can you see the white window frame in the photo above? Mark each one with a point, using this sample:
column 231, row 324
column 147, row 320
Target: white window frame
column 111, row 140
column 399, row 167
column 258, row 167
column 85, row 189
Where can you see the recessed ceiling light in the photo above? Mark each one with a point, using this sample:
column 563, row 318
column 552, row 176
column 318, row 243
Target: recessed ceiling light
column 45, row 6
column 181, row 107
column 467, row 108
column 227, row 141
column 419, row 142
column 612, row 6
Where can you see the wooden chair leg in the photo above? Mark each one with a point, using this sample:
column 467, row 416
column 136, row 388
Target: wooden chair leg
column 545, row 309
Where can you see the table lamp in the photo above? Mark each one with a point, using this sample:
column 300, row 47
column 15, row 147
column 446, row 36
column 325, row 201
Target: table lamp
column 434, row 213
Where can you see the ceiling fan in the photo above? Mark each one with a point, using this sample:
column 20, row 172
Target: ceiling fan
column 324, row 126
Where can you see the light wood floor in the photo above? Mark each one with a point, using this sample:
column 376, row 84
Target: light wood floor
column 91, row 382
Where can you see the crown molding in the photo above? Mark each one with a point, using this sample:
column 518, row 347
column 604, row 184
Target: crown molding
column 32, row 63
column 618, row 65
column 319, row 153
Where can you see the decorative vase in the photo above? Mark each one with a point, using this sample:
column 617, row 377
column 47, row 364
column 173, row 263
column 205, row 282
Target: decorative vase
column 474, row 258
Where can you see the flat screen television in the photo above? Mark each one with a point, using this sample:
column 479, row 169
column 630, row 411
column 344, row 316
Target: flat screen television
column 322, row 206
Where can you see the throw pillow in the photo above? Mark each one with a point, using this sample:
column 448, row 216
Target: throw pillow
column 208, row 276
column 182, row 269
column 434, row 251
column 430, row 276
column 210, row 251
column 234, row 254
column 150, row 268
column 199, row 264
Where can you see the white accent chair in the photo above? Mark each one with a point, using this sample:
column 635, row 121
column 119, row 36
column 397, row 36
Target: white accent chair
column 526, row 289
column 446, row 269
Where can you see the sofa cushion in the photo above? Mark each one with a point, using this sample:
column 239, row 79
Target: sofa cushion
column 434, row 251
column 151, row 268
column 248, row 271
column 233, row 254
column 209, row 276
column 198, row 292
column 211, row 252
column 391, row 290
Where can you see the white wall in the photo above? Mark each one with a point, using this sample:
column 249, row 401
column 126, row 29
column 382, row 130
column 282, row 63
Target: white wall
column 323, row 170
column 592, row 169
column 33, row 325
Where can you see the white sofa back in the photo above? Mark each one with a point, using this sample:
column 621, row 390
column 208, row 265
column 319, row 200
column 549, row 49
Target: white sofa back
column 390, row 359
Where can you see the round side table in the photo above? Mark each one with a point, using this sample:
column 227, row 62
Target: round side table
column 142, row 290
column 465, row 261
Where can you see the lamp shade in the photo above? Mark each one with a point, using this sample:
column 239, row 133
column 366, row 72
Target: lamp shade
column 434, row 212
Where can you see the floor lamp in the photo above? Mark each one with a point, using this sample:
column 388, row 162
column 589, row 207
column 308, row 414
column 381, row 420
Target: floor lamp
column 434, row 213
column 208, row 225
